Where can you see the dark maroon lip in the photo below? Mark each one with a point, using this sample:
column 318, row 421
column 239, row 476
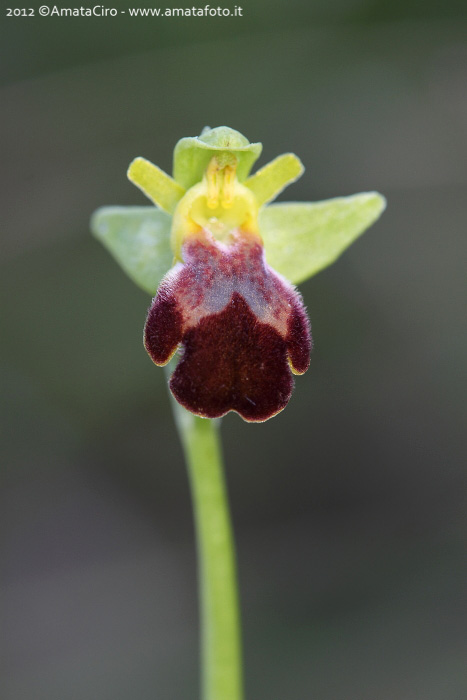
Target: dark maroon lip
column 232, row 362
column 232, row 359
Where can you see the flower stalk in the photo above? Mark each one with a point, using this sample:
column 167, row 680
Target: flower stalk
column 221, row 662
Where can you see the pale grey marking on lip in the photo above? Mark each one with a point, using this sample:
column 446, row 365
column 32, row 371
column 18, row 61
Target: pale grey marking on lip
column 266, row 293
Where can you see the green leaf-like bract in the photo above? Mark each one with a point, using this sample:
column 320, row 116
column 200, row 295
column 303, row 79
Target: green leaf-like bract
column 139, row 239
column 302, row 238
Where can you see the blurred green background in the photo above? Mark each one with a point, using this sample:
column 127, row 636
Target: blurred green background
column 349, row 507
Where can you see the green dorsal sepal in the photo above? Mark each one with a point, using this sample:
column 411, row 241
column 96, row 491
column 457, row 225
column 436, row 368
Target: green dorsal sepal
column 192, row 155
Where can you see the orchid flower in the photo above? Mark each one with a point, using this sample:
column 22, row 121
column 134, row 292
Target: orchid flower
column 223, row 263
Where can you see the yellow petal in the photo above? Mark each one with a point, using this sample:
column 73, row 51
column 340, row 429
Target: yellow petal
column 157, row 185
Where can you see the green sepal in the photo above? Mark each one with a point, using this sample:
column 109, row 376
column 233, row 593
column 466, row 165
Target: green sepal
column 193, row 154
column 139, row 240
column 270, row 180
column 156, row 184
column 302, row 238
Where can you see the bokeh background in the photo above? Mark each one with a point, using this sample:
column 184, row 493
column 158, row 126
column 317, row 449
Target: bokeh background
column 349, row 507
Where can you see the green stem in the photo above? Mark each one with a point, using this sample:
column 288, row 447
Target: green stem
column 220, row 618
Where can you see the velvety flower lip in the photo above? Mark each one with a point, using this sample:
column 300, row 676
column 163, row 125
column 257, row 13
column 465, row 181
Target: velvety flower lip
column 242, row 327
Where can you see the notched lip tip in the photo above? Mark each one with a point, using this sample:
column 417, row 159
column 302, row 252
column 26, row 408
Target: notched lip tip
column 225, row 413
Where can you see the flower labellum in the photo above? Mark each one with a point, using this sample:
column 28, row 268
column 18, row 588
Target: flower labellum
column 242, row 327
